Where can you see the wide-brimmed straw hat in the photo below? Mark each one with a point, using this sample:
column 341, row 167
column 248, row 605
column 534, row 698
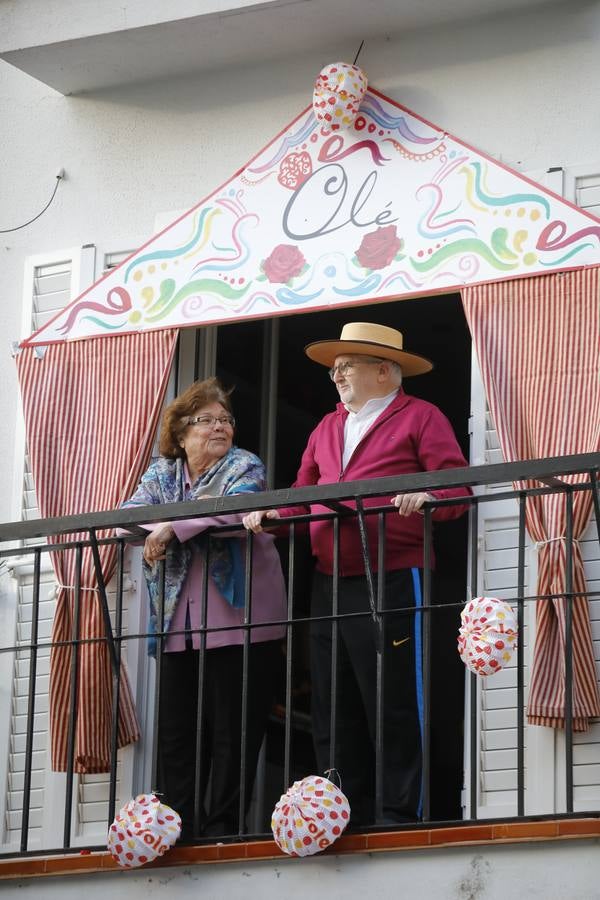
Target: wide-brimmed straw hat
column 371, row 340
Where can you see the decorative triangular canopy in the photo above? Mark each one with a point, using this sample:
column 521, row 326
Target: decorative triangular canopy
column 392, row 207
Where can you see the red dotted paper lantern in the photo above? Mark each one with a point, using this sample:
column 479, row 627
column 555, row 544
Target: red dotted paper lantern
column 337, row 95
column 487, row 637
column 310, row 816
column 143, row 830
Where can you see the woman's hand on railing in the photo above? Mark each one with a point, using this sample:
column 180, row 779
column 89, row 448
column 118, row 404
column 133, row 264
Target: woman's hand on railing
column 253, row 521
column 157, row 542
column 407, row 504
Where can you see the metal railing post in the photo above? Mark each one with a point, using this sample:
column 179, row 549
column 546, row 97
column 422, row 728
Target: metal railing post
column 424, row 623
column 473, row 680
column 116, row 681
column 35, row 615
column 380, row 673
column 568, row 602
column 521, row 660
column 245, row 677
column 289, row 657
column 73, row 695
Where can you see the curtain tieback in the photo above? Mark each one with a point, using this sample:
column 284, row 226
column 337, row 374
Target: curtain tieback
column 71, row 587
column 539, row 544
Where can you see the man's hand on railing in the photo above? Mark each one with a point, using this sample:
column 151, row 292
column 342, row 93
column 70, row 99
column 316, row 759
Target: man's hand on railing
column 157, row 542
column 407, row 504
column 253, row 521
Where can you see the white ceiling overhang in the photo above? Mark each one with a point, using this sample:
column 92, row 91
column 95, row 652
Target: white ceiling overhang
column 77, row 46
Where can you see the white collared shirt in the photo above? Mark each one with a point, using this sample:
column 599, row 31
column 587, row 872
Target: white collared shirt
column 358, row 423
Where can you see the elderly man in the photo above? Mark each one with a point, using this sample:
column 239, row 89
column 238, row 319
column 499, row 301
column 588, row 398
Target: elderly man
column 376, row 430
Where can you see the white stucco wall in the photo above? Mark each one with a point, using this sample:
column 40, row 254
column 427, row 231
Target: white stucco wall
column 469, row 873
column 522, row 88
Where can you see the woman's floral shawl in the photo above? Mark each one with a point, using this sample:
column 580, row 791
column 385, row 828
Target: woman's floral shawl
column 238, row 472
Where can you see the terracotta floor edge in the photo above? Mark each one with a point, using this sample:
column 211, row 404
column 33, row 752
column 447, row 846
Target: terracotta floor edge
column 381, row 842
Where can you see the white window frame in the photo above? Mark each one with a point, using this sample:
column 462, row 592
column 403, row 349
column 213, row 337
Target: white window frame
column 545, row 750
column 82, row 266
column 83, row 273
column 540, row 748
column 573, row 173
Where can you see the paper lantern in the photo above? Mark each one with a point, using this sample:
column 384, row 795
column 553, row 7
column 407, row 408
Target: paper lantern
column 487, row 636
column 310, row 816
column 143, row 830
column 337, row 95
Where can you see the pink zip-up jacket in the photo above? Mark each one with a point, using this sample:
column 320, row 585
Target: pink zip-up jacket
column 410, row 435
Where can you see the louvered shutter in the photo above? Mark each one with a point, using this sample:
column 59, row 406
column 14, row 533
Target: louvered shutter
column 497, row 564
column 50, row 284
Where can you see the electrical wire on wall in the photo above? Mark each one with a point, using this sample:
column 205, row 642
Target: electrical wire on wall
column 59, row 177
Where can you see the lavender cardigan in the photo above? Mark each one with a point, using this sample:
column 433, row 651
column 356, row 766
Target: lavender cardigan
column 168, row 480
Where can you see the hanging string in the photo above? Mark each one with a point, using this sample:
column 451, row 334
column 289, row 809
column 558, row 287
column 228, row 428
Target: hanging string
column 334, row 776
column 59, row 178
column 362, row 43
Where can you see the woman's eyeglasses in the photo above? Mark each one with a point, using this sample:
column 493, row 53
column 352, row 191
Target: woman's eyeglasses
column 210, row 421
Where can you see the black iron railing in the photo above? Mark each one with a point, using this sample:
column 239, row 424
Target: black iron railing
column 76, row 533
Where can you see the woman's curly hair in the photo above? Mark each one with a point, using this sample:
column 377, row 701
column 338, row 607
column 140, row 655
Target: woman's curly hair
column 175, row 416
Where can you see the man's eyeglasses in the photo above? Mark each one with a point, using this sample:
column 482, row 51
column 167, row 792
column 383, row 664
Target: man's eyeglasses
column 210, row 421
column 345, row 368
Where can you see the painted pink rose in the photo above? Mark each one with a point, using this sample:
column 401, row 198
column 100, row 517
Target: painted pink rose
column 379, row 247
column 285, row 262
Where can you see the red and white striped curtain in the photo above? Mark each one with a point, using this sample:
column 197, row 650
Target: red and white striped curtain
column 538, row 344
column 91, row 411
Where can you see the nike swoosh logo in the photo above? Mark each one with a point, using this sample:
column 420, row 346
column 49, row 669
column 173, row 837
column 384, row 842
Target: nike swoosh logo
column 403, row 641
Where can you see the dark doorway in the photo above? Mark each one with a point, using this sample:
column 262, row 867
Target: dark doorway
column 436, row 328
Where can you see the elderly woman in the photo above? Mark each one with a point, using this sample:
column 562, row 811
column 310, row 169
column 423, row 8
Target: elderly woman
column 198, row 459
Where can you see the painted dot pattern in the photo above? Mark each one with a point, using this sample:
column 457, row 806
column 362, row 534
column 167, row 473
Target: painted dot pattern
column 310, row 816
column 144, row 829
column 337, row 95
column 487, row 637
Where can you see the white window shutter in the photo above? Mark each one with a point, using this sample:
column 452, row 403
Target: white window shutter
column 497, row 557
column 497, row 566
column 582, row 187
column 587, row 192
column 51, row 282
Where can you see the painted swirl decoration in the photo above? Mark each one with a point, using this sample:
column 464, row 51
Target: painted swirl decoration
column 389, row 206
